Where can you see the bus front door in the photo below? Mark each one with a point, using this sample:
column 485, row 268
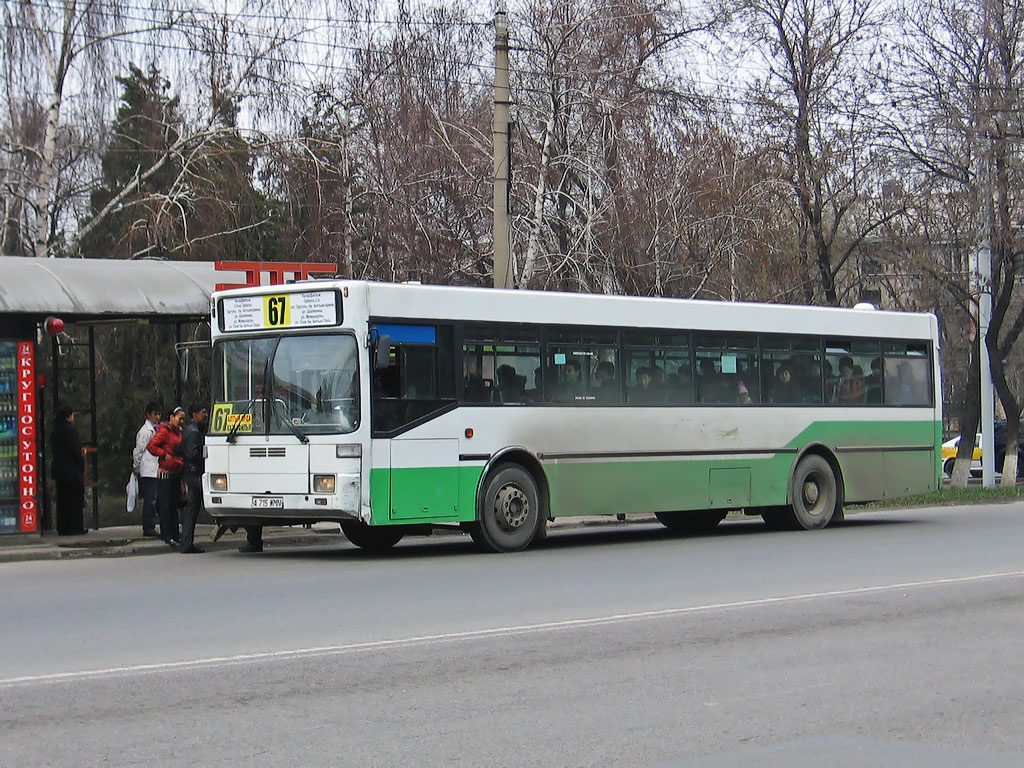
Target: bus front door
column 424, row 479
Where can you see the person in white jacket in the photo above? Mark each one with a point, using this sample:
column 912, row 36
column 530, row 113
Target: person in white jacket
column 144, row 465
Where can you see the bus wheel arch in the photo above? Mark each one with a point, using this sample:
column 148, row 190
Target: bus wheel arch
column 511, row 503
column 819, row 463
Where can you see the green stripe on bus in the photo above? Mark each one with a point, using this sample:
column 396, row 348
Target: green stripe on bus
column 423, row 494
column 612, row 485
column 867, row 433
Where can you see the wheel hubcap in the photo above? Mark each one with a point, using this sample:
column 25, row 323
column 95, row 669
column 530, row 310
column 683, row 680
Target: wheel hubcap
column 511, row 507
column 811, row 494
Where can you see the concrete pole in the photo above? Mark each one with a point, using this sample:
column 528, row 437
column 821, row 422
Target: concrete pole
column 502, row 99
column 988, row 416
column 984, row 286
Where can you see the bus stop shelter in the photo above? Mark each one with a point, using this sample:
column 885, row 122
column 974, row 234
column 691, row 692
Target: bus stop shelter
column 38, row 296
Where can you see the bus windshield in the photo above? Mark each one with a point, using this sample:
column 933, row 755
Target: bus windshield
column 314, row 381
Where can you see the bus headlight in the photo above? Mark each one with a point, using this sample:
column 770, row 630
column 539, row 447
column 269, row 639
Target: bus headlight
column 218, row 483
column 324, row 483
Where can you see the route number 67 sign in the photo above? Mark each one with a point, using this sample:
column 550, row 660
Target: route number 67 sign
column 279, row 311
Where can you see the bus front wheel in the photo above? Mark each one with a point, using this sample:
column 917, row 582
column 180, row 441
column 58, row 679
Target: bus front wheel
column 815, row 493
column 370, row 538
column 509, row 514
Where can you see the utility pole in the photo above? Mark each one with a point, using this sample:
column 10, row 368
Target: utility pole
column 502, row 99
column 981, row 290
column 983, row 281
column 983, row 277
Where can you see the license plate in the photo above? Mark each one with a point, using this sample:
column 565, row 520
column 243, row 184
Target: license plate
column 268, row 502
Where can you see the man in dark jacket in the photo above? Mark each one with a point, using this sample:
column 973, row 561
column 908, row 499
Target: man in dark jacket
column 192, row 442
column 68, row 472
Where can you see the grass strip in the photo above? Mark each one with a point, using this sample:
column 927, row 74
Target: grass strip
column 949, row 497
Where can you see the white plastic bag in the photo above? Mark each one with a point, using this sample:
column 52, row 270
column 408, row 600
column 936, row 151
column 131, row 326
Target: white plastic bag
column 132, row 491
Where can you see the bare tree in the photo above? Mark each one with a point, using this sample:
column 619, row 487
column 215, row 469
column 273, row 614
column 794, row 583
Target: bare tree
column 417, row 137
column 812, row 108
column 46, row 45
column 220, row 60
column 962, row 82
column 602, row 114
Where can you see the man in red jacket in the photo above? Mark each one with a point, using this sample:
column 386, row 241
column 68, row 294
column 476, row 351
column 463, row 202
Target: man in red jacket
column 164, row 445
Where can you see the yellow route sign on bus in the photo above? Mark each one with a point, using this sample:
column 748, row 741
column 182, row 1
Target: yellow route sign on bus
column 224, row 419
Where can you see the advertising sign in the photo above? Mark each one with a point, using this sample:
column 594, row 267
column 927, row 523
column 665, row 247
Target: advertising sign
column 19, row 508
column 27, row 455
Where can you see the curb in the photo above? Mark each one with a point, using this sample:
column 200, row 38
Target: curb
column 112, row 546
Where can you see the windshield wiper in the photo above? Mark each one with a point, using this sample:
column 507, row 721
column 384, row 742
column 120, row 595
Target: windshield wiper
column 233, row 434
column 291, row 427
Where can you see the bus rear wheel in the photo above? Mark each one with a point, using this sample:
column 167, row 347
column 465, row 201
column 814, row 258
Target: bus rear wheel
column 370, row 538
column 698, row 521
column 815, row 493
column 509, row 513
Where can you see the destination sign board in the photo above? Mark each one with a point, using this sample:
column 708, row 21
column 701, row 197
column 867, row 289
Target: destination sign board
column 280, row 311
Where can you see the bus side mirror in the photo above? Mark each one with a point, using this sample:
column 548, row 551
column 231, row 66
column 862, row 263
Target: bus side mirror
column 183, row 365
column 381, row 352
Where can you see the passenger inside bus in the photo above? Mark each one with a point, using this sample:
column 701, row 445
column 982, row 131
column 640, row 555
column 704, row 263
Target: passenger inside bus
column 511, row 386
column 906, row 388
column 709, row 384
column 657, row 378
column 850, row 387
column 571, row 388
column 645, row 390
column 476, row 389
column 785, row 388
column 743, row 393
column 873, row 382
column 679, row 386
column 603, row 384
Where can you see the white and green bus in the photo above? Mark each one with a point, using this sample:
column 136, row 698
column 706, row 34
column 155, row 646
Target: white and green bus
column 395, row 408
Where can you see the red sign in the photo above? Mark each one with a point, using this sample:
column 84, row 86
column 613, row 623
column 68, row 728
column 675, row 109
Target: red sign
column 27, row 456
column 278, row 271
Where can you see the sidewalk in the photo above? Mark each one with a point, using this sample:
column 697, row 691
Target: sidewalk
column 128, row 541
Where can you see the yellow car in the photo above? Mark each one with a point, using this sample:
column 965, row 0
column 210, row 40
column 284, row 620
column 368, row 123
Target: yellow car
column 949, row 449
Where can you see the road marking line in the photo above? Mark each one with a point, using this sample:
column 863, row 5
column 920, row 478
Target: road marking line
column 522, row 629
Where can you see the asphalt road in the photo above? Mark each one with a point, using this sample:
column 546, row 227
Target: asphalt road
column 893, row 639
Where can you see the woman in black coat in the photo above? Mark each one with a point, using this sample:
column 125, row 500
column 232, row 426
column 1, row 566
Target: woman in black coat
column 68, row 472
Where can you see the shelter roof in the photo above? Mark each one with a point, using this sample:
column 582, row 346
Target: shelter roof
column 100, row 289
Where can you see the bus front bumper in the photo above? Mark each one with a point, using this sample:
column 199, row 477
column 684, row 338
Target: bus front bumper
column 229, row 508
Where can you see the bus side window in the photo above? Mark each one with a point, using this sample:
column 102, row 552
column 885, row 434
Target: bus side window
column 498, row 367
column 419, row 379
column 907, row 375
column 846, row 361
column 658, row 367
column 727, row 369
column 790, row 369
